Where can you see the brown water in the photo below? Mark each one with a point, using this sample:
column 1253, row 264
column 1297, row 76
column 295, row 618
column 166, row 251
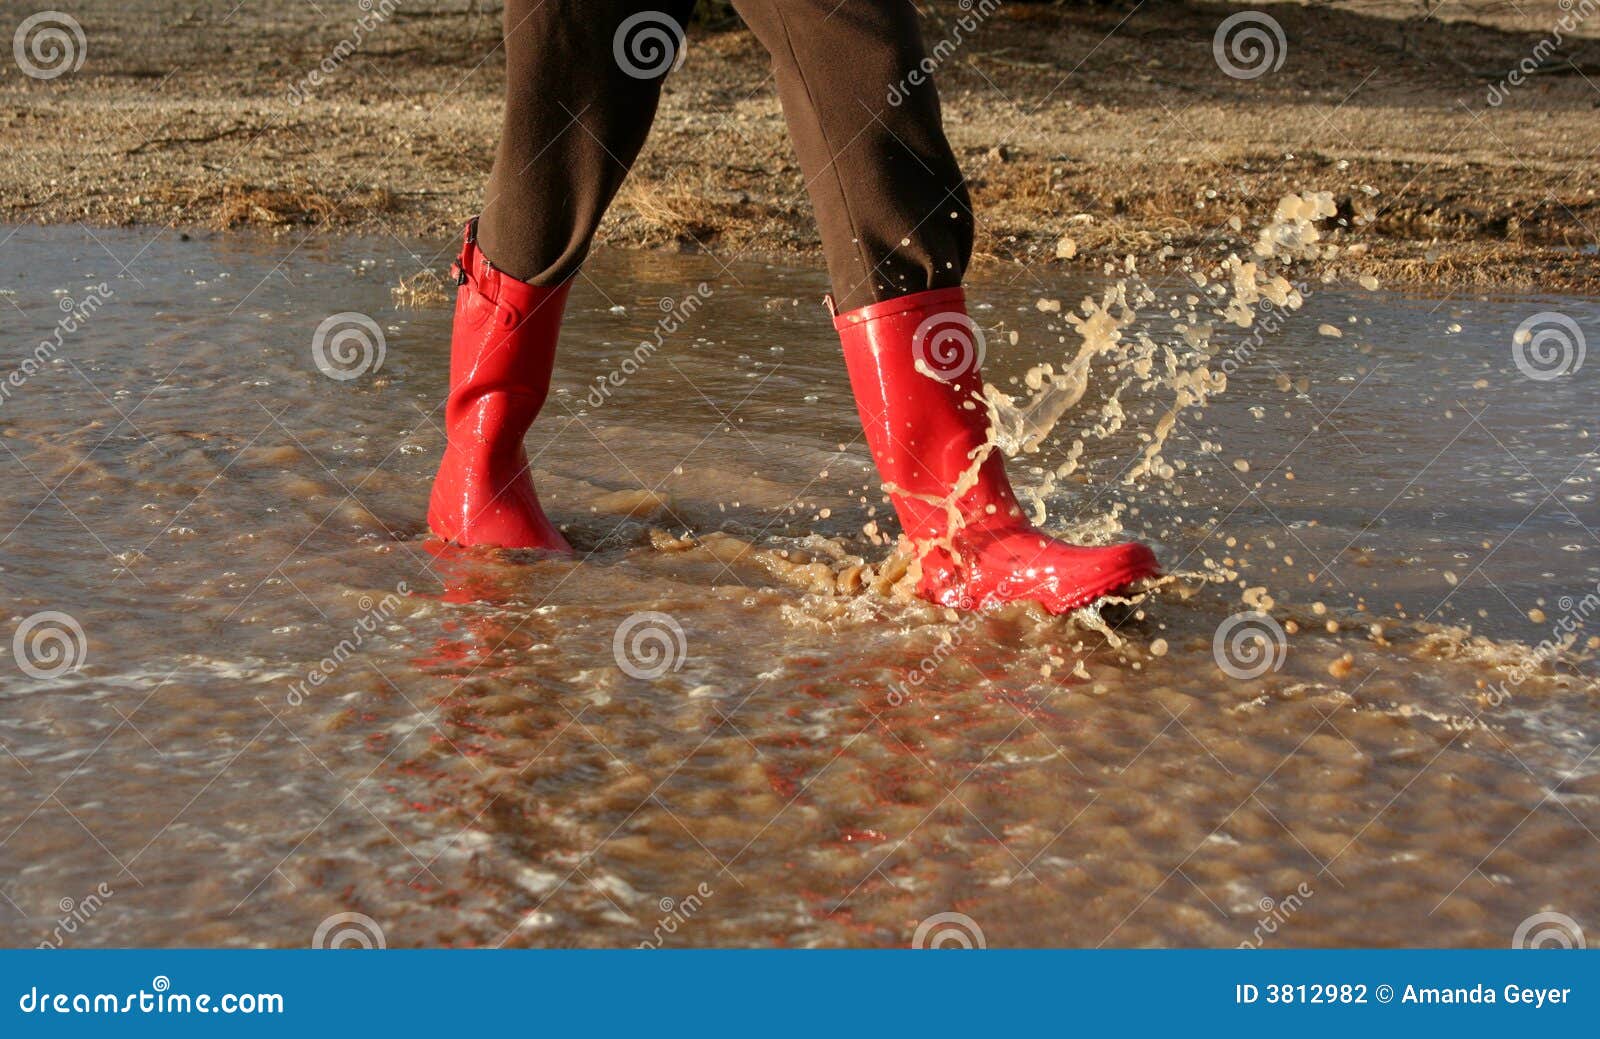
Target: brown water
column 703, row 731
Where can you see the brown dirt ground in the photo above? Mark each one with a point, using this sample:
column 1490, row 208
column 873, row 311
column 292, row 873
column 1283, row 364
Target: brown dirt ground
column 1112, row 124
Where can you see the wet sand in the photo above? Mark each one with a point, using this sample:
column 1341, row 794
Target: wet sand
column 289, row 703
column 1113, row 126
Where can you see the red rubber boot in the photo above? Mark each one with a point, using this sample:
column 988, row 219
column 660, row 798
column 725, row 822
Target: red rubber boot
column 914, row 367
column 501, row 352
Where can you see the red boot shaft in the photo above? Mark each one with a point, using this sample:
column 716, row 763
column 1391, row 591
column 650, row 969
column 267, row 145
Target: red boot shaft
column 502, row 351
column 914, row 365
column 920, row 398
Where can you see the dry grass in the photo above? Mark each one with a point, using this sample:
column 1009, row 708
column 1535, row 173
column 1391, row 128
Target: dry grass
column 244, row 205
column 1149, row 143
column 678, row 208
column 423, row 290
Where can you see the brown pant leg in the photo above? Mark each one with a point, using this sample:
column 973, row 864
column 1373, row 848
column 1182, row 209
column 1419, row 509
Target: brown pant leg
column 582, row 81
column 889, row 197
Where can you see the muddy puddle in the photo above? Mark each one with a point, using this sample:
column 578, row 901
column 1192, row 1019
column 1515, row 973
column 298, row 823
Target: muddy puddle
column 243, row 692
